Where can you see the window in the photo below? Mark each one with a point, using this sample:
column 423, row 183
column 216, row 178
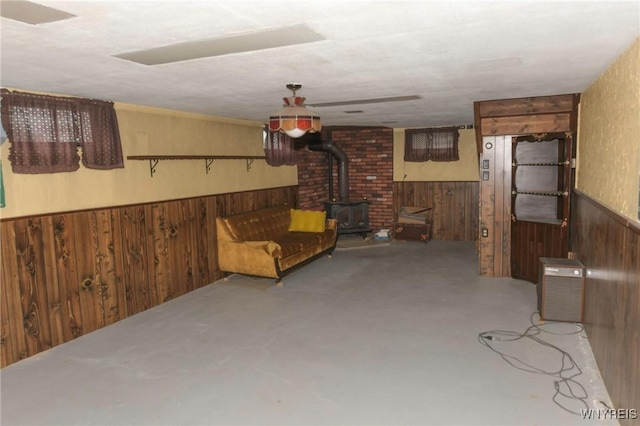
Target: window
column 435, row 144
column 46, row 131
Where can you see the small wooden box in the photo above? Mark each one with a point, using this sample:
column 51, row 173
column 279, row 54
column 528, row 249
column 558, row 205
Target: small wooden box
column 412, row 231
column 410, row 214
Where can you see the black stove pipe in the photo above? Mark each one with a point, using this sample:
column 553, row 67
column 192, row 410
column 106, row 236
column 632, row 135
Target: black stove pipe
column 316, row 143
column 330, row 173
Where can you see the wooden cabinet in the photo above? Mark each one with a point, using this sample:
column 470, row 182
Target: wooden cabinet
column 536, row 133
column 541, row 181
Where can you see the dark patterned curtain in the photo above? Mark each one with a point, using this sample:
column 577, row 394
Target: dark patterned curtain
column 46, row 131
column 435, row 144
column 444, row 144
column 100, row 140
column 279, row 149
column 416, row 145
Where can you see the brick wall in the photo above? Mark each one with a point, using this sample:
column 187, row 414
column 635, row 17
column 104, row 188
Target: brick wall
column 370, row 154
column 313, row 184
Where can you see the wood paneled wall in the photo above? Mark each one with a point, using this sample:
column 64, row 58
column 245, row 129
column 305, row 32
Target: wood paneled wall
column 455, row 206
column 609, row 246
column 67, row 274
column 495, row 207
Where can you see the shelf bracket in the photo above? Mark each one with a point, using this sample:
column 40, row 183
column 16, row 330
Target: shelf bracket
column 207, row 164
column 249, row 163
column 153, row 162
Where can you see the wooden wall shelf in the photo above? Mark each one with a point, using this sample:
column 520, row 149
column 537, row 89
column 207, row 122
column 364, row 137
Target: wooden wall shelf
column 208, row 159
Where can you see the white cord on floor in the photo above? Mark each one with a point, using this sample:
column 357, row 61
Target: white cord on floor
column 565, row 383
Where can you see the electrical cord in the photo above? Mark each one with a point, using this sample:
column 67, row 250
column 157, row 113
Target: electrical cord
column 579, row 327
column 565, row 383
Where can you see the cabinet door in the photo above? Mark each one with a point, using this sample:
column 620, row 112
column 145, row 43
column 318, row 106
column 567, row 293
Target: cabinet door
column 540, row 195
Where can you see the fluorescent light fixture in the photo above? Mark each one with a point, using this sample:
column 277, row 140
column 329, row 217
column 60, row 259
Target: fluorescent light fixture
column 367, row 101
column 247, row 42
column 32, row 13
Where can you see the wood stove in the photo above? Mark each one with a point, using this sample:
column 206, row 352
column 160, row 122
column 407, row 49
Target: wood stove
column 352, row 216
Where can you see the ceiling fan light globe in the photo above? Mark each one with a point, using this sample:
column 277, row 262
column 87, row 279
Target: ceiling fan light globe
column 295, row 133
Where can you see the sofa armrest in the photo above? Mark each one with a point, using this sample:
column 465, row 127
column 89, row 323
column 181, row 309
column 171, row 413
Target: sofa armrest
column 332, row 224
column 273, row 249
column 249, row 257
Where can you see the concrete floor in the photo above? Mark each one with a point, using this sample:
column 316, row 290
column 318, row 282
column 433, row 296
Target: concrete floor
column 372, row 336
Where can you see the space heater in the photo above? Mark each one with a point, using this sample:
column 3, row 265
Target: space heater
column 560, row 290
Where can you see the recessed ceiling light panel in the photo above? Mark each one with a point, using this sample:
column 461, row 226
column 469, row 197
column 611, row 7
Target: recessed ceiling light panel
column 367, row 101
column 32, row 13
column 256, row 40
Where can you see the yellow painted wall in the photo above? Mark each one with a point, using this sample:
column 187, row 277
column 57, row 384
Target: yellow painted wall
column 466, row 169
column 149, row 131
column 608, row 156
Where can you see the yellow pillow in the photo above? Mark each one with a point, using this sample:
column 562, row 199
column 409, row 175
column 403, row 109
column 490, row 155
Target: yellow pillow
column 307, row 221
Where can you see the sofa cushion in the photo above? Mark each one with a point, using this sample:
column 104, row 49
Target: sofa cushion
column 264, row 224
column 307, row 221
column 295, row 242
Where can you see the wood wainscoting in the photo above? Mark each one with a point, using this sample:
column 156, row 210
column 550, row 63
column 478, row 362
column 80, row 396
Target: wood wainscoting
column 454, row 206
column 67, row 274
column 609, row 246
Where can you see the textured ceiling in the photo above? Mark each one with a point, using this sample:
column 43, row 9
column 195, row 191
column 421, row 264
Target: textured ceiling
column 446, row 54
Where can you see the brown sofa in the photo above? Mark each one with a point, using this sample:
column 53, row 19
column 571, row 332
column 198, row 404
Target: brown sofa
column 259, row 243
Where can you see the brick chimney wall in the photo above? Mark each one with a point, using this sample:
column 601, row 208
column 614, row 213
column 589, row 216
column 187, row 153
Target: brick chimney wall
column 313, row 185
column 370, row 154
